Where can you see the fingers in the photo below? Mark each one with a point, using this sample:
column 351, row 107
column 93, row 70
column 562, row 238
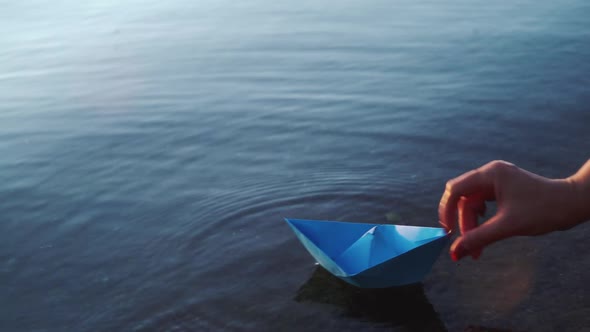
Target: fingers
column 469, row 208
column 480, row 237
column 466, row 195
column 475, row 182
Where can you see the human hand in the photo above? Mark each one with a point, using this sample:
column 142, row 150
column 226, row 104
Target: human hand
column 527, row 204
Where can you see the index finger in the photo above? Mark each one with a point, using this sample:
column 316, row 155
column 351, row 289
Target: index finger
column 470, row 183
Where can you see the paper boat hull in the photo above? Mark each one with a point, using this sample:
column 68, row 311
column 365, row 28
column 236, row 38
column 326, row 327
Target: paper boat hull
column 371, row 255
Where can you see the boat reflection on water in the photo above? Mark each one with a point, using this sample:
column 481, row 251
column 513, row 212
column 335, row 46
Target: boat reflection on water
column 405, row 307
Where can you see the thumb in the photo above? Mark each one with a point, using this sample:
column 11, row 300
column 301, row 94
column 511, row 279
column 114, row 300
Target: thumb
column 472, row 242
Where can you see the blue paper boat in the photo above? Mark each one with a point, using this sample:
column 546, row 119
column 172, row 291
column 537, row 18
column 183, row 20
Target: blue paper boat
column 371, row 255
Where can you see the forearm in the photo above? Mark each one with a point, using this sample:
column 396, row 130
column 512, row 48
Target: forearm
column 581, row 199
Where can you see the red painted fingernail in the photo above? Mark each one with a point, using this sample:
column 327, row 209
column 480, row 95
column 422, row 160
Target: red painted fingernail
column 476, row 255
column 458, row 252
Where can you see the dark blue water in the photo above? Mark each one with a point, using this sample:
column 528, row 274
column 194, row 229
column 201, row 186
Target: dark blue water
column 149, row 151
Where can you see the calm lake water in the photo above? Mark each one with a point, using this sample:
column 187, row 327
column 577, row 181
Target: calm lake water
column 149, row 151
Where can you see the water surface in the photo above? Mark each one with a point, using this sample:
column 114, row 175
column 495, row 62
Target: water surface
column 151, row 149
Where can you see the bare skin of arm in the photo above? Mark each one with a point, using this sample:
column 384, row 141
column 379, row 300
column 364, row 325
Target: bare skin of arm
column 528, row 205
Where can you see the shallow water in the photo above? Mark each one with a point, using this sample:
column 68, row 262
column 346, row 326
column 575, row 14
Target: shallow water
column 151, row 149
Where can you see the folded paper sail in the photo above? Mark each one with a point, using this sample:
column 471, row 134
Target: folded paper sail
column 371, row 255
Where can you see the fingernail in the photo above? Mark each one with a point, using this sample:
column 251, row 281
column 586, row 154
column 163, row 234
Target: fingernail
column 458, row 252
column 444, row 226
column 476, row 255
